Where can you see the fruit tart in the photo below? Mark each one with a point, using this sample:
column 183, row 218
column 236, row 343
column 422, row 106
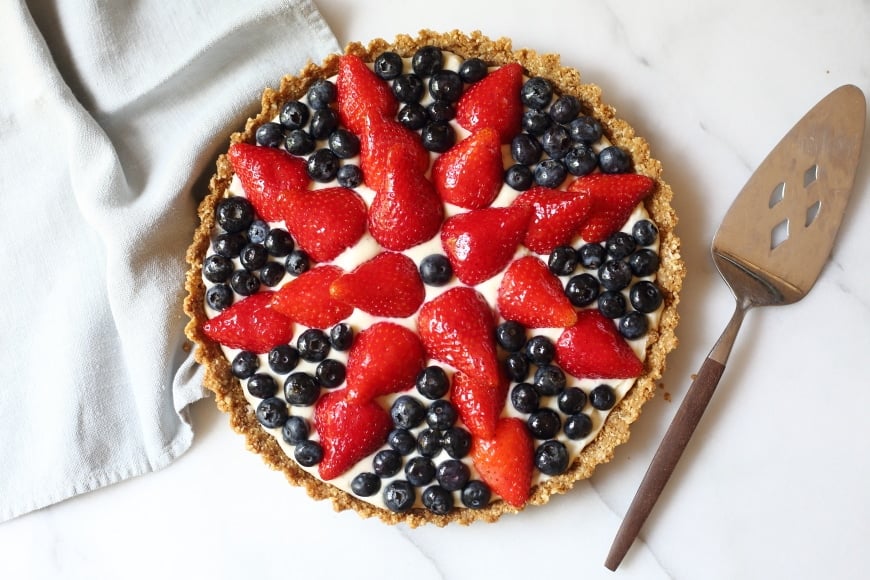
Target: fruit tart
column 435, row 279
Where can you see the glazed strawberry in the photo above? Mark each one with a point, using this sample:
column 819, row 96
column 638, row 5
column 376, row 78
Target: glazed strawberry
column 531, row 295
column 480, row 243
column 388, row 285
column 385, row 358
column 266, row 173
column 557, row 217
column 379, row 137
column 406, row 210
column 505, row 461
column 361, row 95
column 306, row 299
column 250, row 324
column 479, row 405
column 348, row 432
column 613, row 197
column 458, row 328
column 494, row 102
column 471, row 173
column 325, row 222
column 593, row 348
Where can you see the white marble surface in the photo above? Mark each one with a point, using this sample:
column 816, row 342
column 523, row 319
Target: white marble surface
column 775, row 482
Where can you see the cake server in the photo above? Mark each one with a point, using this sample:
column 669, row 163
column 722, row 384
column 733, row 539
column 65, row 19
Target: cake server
column 769, row 249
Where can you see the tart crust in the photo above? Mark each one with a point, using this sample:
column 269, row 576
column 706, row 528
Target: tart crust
column 227, row 390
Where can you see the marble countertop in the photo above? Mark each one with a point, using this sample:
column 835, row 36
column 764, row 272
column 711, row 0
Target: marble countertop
column 775, row 481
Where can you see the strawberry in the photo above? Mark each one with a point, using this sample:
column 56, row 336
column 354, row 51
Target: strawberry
column 458, row 328
column 505, row 460
column 250, row 324
column 530, row 294
column 480, row 243
column 557, row 218
column 307, row 301
column 385, row 358
column 479, row 405
column 471, row 173
column 406, row 210
column 381, row 136
column 325, row 222
column 266, row 173
column 614, row 197
column 494, row 101
column 348, row 432
column 387, row 285
column 593, row 348
column 361, row 95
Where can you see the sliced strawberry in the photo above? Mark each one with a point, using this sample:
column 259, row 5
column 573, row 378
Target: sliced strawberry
column 325, row 222
column 388, row 285
column 530, row 294
column 361, row 95
column 381, row 136
column 406, row 210
column 348, row 432
column 494, row 102
column 250, row 324
column 593, row 348
column 458, row 328
column 307, row 301
column 505, row 461
column 266, row 173
column 385, row 358
column 480, row 243
column 471, row 173
column 479, row 404
column 557, row 218
column 614, row 197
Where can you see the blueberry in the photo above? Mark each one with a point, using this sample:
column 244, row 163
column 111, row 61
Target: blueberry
column 438, row 136
column 402, row 441
column 429, row 442
column 408, row 88
column 257, row 231
column 387, row 463
column 440, row 111
column 269, row 135
column 413, row 116
column 219, row 297
column 322, row 165
column 516, row 366
column 320, row 94
column 611, row 304
column 452, row 474
column 427, row 61
column 262, row 386
column 244, row 283
column 614, row 160
column 217, row 268
column 619, row 245
column 591, row 256
column 536, row 93
column 645, row 232
column 581, row 159
column 313, row 345
column 645, row 297
column 271, row 274
column 343, row 144
column 602, row 397
column 476, row 494
column 582, row 290
column 540, row 350
column 330, row 373
column 643, row 262
column 473, row 70
column 432, row 382
column 549, row 380
column 341, row 336
column 585, row 129
column 437, row 500
column 445, row 85
column 525, row 398
column 308, row 453
column 388, row 65
column 349, row 175
column 571, row 400
column 577, row 426
column 301, row 390
column 633, row 325
column 272, row 412
column 550, row 173
column 435, row 270
column 399, row 496
column 234, row 214
column 614, row 274
column 556, row 141
column 245, row 364
column 565, row 109
column 519, row 177
column 441, row 414
column 278, row 242
column 294, row 115
column 551, row 457
column 526, row 149
column 297, row 262
column 562, row 261
column 420, row 471
column 456, row 442
column 510, row 335
column 253, row 257
column 544, row 423
column 295, row 430
column 535, row 122
column 323, row 122
column 299, row 142
column 407, row 412
column 365, row 484
column 229, row 245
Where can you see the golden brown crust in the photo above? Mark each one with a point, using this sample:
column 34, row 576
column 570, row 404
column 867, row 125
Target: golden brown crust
column 226, row 388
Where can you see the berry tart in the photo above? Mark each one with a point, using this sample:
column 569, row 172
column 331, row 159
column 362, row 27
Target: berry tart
column 435, row 279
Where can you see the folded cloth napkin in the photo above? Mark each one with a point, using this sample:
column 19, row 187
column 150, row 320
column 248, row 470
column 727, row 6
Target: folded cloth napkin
column 111, row 112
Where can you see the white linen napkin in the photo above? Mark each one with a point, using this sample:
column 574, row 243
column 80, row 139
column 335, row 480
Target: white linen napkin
column 110, row 113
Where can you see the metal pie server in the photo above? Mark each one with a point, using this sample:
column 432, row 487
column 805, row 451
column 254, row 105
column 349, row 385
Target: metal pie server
column 770, row 249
